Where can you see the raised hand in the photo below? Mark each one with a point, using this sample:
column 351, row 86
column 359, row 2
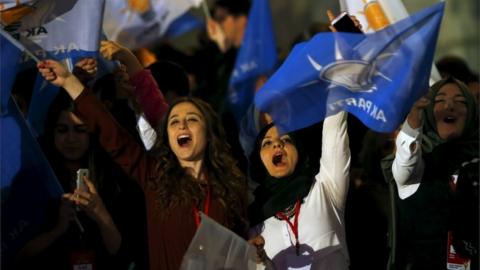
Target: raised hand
column 58, row 75
column 86, row 69
column 215, row 33
column 112, row 51
column 53, row 72
column 331, row 17
column 414, row 117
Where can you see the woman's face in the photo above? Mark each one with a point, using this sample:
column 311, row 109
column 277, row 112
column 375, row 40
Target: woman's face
column 71, row 137
column 450, row 111
column 187, row 133
column 278, row 153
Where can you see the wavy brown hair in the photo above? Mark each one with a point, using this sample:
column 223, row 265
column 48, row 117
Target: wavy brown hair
column 175, row 186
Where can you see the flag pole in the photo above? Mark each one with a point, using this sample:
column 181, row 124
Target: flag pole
column 18, row 45
column 205, row 9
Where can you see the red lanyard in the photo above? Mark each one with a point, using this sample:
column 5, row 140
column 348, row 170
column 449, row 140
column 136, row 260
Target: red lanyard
column 293, row 226
column 206, row 208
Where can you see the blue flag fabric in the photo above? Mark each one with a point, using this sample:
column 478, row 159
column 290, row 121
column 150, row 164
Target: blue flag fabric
column 183, row 24
column 377, row 77
column 257, row 56
column 27, row 184
column 65, row 30
column 26, row 181
column 10, row 57
column 60, row 29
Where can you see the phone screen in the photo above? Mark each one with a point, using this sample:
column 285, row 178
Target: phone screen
column 343, row 23
column 80, row 183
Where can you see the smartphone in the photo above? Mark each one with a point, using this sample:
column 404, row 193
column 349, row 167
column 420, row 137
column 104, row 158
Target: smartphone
column 343, row 23
column 80, row 183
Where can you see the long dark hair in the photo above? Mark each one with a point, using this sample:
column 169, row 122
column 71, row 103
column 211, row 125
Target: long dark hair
column 93, row 159
column 175, row 186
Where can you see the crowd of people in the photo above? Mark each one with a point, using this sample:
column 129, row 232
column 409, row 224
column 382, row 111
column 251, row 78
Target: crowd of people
column 162, row 146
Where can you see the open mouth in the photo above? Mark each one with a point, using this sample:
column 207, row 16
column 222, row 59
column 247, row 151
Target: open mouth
column 449, row 119
column 183, row 140
column 277, row 159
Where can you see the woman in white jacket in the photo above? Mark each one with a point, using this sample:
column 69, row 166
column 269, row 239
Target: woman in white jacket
column 298, row 216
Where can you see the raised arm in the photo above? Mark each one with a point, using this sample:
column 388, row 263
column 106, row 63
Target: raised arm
column 335, row 160
column 408, row 166
column 121, row 146
column 145, row 89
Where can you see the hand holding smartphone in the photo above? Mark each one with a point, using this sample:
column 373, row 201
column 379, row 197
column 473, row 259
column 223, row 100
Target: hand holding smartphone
column 80, row 182
column 81, row 186
column 343, row 23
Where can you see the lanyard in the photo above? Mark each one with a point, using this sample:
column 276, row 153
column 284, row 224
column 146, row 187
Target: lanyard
column 206, row 208
column 293, row 226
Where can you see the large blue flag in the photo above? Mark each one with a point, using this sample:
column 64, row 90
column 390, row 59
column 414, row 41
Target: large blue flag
column 9, row 59
column 26, row 181
column 27, row 184
column 257, row 56
column 67, row 31
column 377, row 77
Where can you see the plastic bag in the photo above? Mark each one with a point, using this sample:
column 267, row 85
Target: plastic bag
column 216, row 247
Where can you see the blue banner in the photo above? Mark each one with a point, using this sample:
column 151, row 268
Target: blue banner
column 27, row 184
column 67, row 31
column 257, row 56
column 377, row 77
column 10, row 57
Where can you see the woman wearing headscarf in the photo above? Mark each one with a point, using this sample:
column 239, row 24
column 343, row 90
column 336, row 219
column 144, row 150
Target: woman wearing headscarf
column 438, row 139
column 298, row 215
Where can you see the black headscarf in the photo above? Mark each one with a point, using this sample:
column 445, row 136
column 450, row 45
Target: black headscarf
column 446, row 156
column 276, row 194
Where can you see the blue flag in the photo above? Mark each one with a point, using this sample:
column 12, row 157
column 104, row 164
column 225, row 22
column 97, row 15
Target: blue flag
column 136, row 24
column 67, row 31
column 183, row 24
column 10, row 57
column 377, row 77
column 257, row 56
column 27, row 183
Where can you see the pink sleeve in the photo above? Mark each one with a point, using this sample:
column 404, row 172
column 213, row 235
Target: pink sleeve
column 149, row 96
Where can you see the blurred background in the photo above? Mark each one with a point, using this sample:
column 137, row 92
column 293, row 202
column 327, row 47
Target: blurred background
column 459, row 33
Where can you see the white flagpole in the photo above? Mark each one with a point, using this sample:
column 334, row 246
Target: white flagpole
column 205, row 9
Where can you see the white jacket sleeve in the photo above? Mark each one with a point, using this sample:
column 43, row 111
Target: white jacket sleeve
column 408, row 165
column 335, row 159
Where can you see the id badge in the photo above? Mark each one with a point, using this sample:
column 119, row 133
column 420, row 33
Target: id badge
column 83, row 260
column 302, row 262
column 454, row 260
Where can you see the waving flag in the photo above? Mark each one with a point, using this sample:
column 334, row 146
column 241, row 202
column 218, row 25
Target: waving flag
column 67, row 31
column 139, row 23
column 60, row 29
column 26, row 180
column 376, row 14
column 257, row 56
column 377, row 77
